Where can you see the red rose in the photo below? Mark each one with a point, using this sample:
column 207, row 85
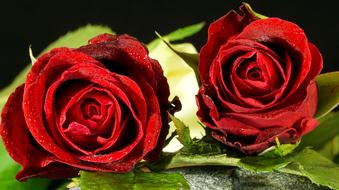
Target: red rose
column 100, row 107
column 258, row 82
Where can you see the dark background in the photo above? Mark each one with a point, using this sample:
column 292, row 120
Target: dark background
column 41, row 22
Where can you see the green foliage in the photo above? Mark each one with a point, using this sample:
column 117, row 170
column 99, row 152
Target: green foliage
column 260, row 16
column 279, row 150
column 136, row 180
column 182, row 131
column 327, row 130
column 178, row 34
column 328, row 93
column 314, row 166
column 262, row 163
column 305, row 162
column 331, row 149
column 184, row 159
column 79, row 37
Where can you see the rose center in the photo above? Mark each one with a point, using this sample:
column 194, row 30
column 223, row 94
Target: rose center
column 89, row 118
column 91, row 109
column 255, row 74
column 249, row 69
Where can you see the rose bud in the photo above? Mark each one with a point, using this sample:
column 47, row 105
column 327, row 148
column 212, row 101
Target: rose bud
column 101, row 107
column 258, row 82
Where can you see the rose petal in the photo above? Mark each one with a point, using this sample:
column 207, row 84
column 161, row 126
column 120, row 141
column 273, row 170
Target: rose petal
column 218, row 35
column 138, row 76
column 42, row 73
column 218, row 73
column 127, row 55
column 52, row 171
column 287, row 35
column 285, row 136
column 317, row 61
column 17, row 139
column 154, row 125
column 306, row 125
column 156, row 79
column 134, row 94
column 102, row 38
column 124, row 55
column 285, row 116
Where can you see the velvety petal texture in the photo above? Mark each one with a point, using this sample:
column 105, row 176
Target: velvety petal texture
column 258, row 82
column 100, row 107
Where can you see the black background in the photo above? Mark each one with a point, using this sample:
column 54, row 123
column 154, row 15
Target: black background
column 41, row 22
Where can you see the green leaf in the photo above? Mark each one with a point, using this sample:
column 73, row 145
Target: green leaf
column 306, row 162
column 132, row 181
column 79, row 37
column 75, row 183
column 178, row 34
column 72, row 39
column 154, row 181
column 205, row 151
column 271, row 159
column 184, row 159
column 328, row 93
column 280, row 150
column 260, row 16
column 325, row 132
column 191, row 59
column 331, row 149
column 314, row 166
column 182, row 130
column 263, row 164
